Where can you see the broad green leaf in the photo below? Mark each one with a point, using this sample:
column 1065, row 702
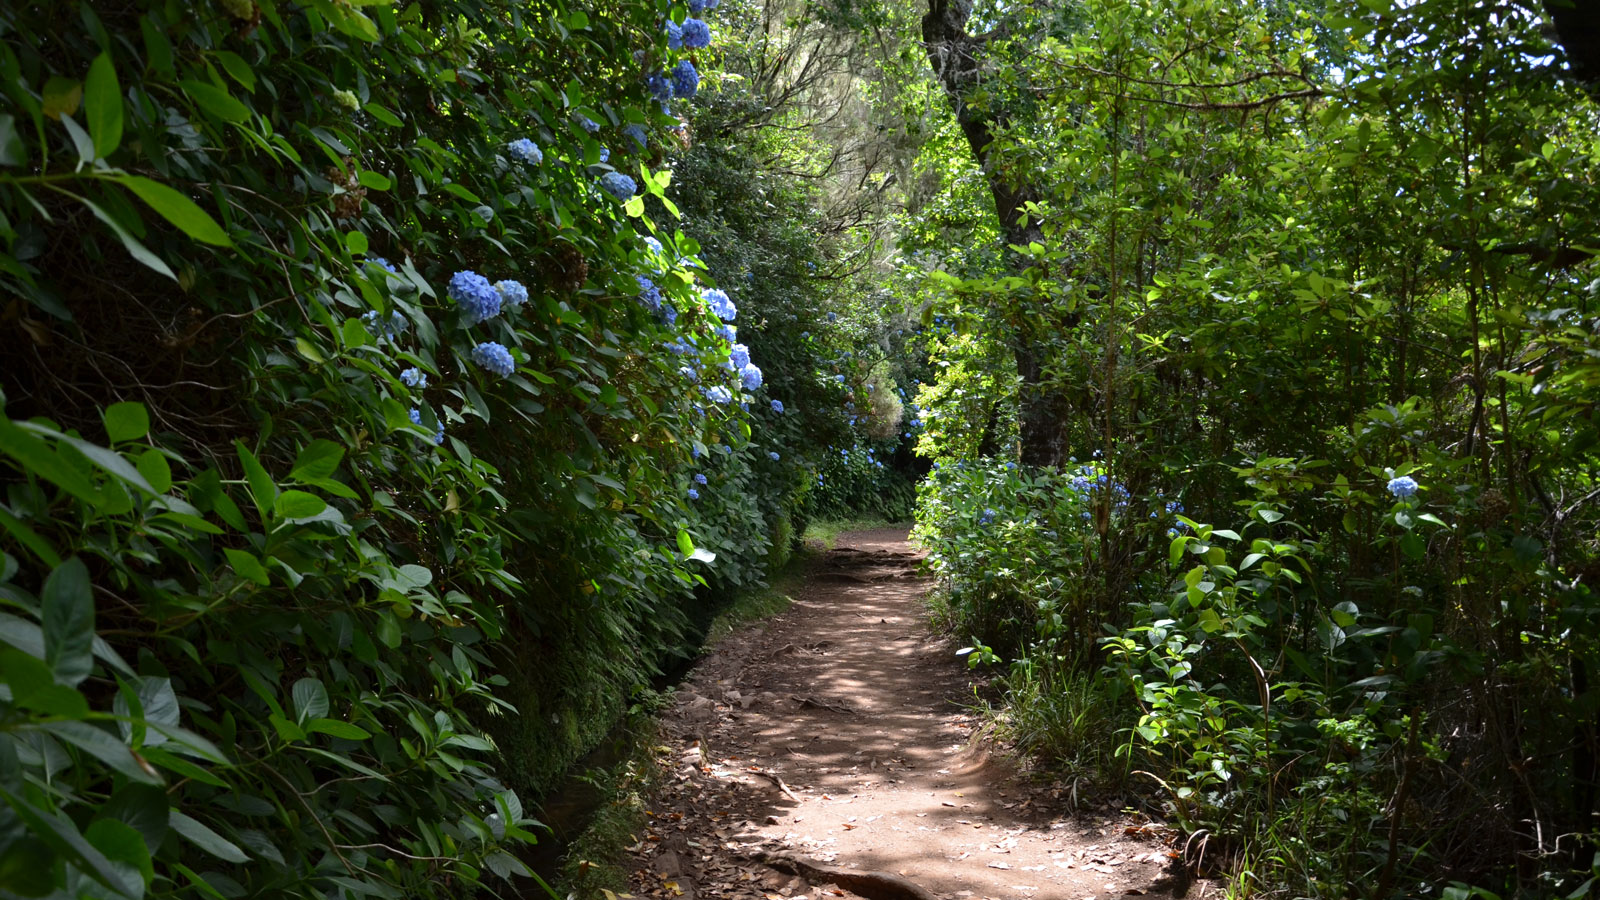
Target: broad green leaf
column 685, row 543
column 126, row 849
column 102, row 105
column 104, row 746
column 293, row 504
column 177, row 209
column 262, row 488
column 310, row 700
column 67, row 602
column 127, row 421
column 130, row 243
column 319, row 460
column 203, row 837
column 61, row 96
column 336, row 728
column 142, row 807
column 382, row 115
column 238, row 69
column 62, row 835
column 216, row 101
column 246, row 566
column 39, row 458
column 153, row 465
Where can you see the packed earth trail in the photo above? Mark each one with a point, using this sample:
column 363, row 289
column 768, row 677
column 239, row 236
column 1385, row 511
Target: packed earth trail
column 832, row 751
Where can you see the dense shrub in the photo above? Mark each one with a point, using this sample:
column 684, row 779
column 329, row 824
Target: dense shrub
column 353, row 436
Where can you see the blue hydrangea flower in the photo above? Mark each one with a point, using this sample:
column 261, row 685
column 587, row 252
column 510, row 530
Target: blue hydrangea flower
column 839, row 378
column 414, row 378
column 674, row 36
column 512, row 293
column 659, row 86
column 391, row 329
column 416, row 416
column 833, row 317
column 739, row 356
column 478, row 299
column 649, row 294
column 777, row 406
column 689, row 374
column 1404, row 487
column 750, row 376
column 721, row 305
column 986, row 517
column 669, row 314
column 637, row 133
column 728, row 332
column 696, row 7
column 699, row 478
column 773, row 455
column 654, row 245
column 619, row 185
column 586, row 123
column 696, row 34
column 495, row 358
column 719, row 394
column 685, row 80
column 382, row 263
column 525, row 151
column 694, row 494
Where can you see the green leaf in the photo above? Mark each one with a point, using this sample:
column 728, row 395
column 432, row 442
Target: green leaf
column 310, row 700
column 138, row 251
column 102, row 105
column 62, row 836
column 374, row 180
column 61, row 97
column 13, row 149
column 335, row 728
column 235, row 66
column 153, row 465
column 68, row 622
column 127, row 421
column 126, row 849
column 104, row 746
column 685, row 543
column 203, row 837
column 356, row 241
column 382, row 115
column 29, row 538
column 177, row 209
column 142, row 807
column 215, row 101
column 262, row 488
column 246, row 566
column 292, row 504
column 39, row 458
column 317, row 461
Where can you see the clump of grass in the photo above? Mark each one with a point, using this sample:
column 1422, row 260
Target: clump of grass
column 823, row 533
column 1066, row 718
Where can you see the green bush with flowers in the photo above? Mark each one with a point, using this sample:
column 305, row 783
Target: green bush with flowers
column 351, row 432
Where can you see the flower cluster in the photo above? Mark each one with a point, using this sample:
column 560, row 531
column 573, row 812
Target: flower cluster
column 721, row 304
column 478, row 299
column 777, row 406
column 438, row 434
column 414, row 378
column 685, row 80
column 383, row 264
column 1404, row 487
column 525, row 151
column 512, row 293
column 619, row 185
column 649, row 294
column 750, row 376
column 495, row 358
column 696, row 34
column 391, row 328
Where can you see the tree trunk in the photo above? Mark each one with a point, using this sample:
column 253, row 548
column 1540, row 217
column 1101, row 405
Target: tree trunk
column 956, row 58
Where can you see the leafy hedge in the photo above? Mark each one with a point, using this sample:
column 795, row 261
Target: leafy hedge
column 317, row 547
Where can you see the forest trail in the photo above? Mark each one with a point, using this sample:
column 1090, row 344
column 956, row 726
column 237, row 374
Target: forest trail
column 835, row 734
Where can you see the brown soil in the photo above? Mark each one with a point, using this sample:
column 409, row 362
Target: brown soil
column 829, row 752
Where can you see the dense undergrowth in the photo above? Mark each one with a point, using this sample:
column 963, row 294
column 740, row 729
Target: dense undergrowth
column 1264, row 463
column 376, row 425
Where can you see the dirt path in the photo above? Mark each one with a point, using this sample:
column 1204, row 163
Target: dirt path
column 834, row 733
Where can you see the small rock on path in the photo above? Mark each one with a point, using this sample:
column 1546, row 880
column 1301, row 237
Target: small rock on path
column 835, row 733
